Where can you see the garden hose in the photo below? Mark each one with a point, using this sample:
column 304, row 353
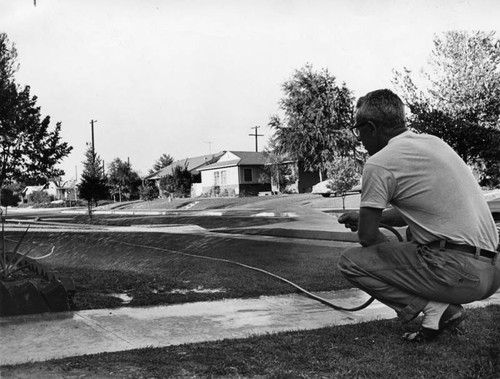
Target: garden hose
column 305, row 292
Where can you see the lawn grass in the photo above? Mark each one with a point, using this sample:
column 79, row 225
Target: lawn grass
column 148, row 268
column 365, row 350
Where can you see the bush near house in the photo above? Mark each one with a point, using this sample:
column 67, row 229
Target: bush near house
column 40, row 197
column 179, row 183
column 149, row 192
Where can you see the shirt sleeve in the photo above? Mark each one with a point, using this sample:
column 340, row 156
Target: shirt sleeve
column 378, row 187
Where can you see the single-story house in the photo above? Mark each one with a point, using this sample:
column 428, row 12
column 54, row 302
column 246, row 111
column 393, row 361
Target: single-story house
column 236, row 173
column 192, row 164
column 52, row 188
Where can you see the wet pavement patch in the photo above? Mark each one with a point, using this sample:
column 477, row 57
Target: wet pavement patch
column 124, row 297
column 198, row 290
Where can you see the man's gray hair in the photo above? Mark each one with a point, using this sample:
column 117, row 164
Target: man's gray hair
column 383, row 106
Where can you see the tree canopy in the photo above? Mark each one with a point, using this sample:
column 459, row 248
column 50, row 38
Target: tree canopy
column 315, row 121
column 179, row 183
column 458, row 98
column 278, row 167
column 344, row 173
column 164, row 161
column 123, row 181
column 30, row 148
column 94, row 184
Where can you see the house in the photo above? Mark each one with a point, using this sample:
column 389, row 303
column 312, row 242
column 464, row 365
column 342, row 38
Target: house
column 192, row 164
column 28, row 190
column 54, row 188
column 236, row 173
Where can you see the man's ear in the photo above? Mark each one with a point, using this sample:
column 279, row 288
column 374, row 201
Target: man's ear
column 373, row 128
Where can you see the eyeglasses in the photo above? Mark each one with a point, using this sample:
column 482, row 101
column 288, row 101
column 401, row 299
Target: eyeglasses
column 356, row 128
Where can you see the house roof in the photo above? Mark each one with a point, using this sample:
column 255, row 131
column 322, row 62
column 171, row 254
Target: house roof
column 245, row 158
column 33, row 188
column 193, row 165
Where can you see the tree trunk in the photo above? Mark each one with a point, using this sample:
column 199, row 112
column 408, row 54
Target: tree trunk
column 89, row 204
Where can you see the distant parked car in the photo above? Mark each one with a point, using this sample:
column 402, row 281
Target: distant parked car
column 322, row 189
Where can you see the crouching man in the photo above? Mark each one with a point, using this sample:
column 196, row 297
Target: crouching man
column 418, row 180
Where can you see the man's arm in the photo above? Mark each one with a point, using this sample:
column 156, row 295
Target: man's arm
column 367, row 223
column 368, row 232
column 392, row 217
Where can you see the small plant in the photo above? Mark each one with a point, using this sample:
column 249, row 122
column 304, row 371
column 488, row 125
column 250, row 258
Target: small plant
column 345, row 173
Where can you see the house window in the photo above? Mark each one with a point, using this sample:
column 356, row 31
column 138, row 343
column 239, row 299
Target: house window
column 216, row 178
column 223, row 177
column 247, row 174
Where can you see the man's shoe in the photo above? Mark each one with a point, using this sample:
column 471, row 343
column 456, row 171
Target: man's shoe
column 451, row 318
column 422, row 335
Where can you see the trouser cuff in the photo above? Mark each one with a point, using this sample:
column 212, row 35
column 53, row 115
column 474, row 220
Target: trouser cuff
column 412, row 310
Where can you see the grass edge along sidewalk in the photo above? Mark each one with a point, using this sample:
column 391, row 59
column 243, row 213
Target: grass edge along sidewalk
column 365, row 350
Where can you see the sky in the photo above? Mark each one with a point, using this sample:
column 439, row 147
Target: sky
column 192, row 77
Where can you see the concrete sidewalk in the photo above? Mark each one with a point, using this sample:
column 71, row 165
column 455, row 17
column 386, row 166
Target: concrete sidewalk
column 55, row 335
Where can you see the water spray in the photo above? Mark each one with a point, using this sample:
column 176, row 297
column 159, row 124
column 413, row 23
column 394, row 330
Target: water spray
column 302, row 290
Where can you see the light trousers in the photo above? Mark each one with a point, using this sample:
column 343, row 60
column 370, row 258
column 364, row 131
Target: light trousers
column 406, row 276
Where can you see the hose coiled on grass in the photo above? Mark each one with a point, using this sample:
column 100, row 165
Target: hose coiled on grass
column 302, row 290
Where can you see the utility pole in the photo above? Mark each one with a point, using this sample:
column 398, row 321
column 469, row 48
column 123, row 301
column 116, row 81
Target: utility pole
column 93, row 145
column 74, row 186
column 256, row 137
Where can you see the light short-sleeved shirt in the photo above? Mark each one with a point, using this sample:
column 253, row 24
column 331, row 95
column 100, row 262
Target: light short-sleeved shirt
column 433, row 189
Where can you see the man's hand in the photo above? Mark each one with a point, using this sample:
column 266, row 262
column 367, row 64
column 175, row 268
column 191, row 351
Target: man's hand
column 350, row 220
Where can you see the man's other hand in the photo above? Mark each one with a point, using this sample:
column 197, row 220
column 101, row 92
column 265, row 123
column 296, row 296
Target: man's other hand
column 350, row 220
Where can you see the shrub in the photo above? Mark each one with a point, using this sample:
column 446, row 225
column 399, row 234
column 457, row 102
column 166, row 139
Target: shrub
column 40, row 197
column 148, row 192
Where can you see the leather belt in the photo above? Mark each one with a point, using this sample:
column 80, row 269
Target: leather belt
column 465, row 248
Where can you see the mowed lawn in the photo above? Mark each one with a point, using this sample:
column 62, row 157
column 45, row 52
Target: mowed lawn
column 159, row 268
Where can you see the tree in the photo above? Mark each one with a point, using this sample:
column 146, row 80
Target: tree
column 123, row 180
column 148, row 192
column 93, row 185
column 164, row 161
column 317, row 114
column 9, row 198
column 344, row 173
column 30, row 149
column 278, row 167
column 459, row 98
column 179, row 183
